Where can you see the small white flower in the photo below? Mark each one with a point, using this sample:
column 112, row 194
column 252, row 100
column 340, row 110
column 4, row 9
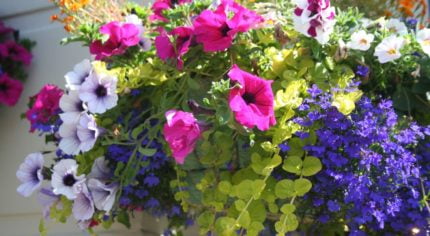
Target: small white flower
column 30, row 174
column 72, row 107
column 389, row 49
column 428, row 96
column 423, row 38
column 395, row 26
column 361, row 40
column 80, row 72
column 65, row 180
column 98, row 91
column 70, row 142
column 87, row 132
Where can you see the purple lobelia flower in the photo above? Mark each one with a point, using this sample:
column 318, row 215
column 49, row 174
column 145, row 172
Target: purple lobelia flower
column 362, row 71
column 30, row 174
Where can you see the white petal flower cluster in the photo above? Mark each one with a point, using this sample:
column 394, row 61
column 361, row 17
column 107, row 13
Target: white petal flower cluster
column 89, row 92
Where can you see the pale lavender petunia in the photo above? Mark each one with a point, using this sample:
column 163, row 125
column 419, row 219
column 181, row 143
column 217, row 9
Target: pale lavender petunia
column 47, row 199
column 65, row 180
column 83, row 207
column 98, row 92
column 80, row 72
column 72, row 107
column 88, row 132
column 69, row 142
column 103, row 194
column 100, row 170
column 30, row 174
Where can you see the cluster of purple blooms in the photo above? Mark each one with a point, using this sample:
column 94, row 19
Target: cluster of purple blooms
column 372, row 168
column 147, row 192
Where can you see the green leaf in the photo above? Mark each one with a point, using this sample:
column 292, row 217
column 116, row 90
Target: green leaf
column 124, row 218
column 293, row 164
column 244, row 220
column 288, row 208
column 258, row 187
column 284, row 189
column 257, row 211
column 255, row 228
column 311, row 166
column 302, row 186
column 245, row 189
column 239, row 204
column 147, row 151
column 224, row 187
column 206, row 220
column 225, row 226
column 43, row 231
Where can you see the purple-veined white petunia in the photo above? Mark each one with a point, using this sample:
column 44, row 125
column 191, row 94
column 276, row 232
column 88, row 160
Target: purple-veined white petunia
column 103, row 194
column 69, row 142
column 47, row 199
column 30, row 174
column 72, row 107
column 87, row 132
column 65, row 180
column 83, row 207
column 100, row 170
column 98, row 92
column 80, row 72
column 389, row 49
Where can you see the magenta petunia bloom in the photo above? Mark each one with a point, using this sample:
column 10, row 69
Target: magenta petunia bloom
column 16, row 52
column 121, row 37
column 10, row 90
column 167, row 50
column 160, row 5
column 181, row 132
column 46, row 105
column 4, row 29
column 252, row 102
column 216, row 31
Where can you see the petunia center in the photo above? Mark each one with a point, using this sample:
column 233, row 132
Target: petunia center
column 34, row 174
column 425, row 43
column 363, row 41
column 80, row 106
column 174, row 2
column 248, row 98
column 392, row 51
column 3, row 87
column 224, row 30
column 101, row 91
column 69, row 180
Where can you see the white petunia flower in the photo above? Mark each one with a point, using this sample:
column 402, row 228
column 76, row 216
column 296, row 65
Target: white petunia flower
column 72, row 107
column 423, row 38
column 395, row 26
column 47, row 199
column 98, row 92
column 80, row 72
column 30, row 174
column 361, row 40
column 389, row 49
column 87, row 132
column 65, row 180
column 70, row 141
column 100, row 170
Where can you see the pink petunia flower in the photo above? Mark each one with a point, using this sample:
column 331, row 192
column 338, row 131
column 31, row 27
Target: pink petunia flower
column 46, row 105
column 160, row 5
column 181, row 133
column 252, row 102
column 121, row 37
column 10, row 90
column 16, row 52
column 216, row 31
column 167, row 50
column 4, row 29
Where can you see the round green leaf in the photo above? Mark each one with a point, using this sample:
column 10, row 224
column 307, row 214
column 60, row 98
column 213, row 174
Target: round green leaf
column 311, row 166
column 284, row 188
column 293, row 164
column 302, row 186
